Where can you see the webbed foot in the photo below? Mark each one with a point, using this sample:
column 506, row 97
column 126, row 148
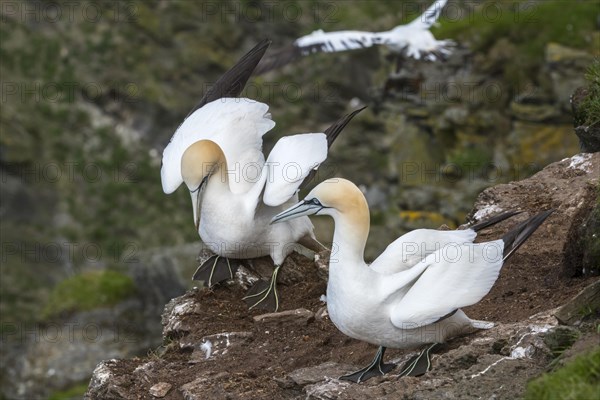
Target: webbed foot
column 263, row 295
column 375, row 368
column 215, row 270
column 419, row 364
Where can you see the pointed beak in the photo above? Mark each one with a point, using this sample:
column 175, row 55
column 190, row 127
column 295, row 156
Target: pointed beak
column 302, row 208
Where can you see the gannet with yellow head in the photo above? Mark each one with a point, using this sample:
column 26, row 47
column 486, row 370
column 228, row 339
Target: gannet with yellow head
column 412, row 294
column 217, row 153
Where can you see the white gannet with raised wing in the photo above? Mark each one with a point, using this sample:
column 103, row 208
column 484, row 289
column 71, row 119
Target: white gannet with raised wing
column 412, row 40
column 412, row 294
column 217, row 152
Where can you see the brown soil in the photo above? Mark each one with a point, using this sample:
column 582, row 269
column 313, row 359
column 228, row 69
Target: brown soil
column 526, row 286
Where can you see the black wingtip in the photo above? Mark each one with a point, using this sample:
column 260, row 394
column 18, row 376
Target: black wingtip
column 519, row 235
column 493, row 220
column 278, row 59
column 232, row 82
column 331, row 134
column 334, row 130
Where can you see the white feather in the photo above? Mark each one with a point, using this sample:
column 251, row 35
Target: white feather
column 456, row 276
column 412, row 247
column 206, row 347
column 235, row 124
column 336, row 41
column 290, row 161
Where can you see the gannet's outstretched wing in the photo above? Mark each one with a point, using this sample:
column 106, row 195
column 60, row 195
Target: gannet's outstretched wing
column 429, row 17
column 294, row 160
column 318, row 42
column 236, row 125
column 412, row 247
column 455, row 277
column 290, row 162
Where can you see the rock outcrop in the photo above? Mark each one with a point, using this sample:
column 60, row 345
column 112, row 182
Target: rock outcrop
column 213, row 347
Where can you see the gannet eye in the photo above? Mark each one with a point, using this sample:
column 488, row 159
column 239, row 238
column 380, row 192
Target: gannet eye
column 314, row 201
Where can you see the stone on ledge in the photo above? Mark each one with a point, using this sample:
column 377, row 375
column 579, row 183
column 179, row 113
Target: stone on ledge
column 160, row 390
column 300, row 316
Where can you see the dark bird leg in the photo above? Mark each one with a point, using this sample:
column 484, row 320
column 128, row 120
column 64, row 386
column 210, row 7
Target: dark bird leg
column 389, row 83
column 419, row 364
column 312, row 244
column 263, row 295
column 215, row 270
column 398, row 63
column 386, row 89
column 375, row 368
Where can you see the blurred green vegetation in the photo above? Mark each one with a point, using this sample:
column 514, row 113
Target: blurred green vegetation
column 590, row 106
column 75, row 392
column 469, row 161
column 577, row 380
column 88, row 290
column 528, row 26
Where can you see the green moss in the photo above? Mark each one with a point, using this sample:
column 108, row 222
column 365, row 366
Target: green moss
column 579, row 379
column 468, row 162
column 74, row 392
column 533, row 145
column 560, row 339
column 590, row 106
column 87, row 291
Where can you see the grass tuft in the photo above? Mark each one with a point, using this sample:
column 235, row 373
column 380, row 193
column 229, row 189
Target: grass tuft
column 579, row 379
column 590, row 106
column 87, row 291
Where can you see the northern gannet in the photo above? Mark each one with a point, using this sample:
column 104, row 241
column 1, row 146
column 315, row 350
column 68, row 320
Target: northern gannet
column 412, row 293
column 217, row 153
column 412, row 40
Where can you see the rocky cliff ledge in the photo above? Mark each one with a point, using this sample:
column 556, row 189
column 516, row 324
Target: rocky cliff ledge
column 214, row 348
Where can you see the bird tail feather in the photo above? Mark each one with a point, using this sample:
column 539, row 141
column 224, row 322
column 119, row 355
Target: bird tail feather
column 493, row 220
column 517, row 236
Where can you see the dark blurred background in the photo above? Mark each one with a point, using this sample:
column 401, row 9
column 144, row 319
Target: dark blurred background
column 92, row 91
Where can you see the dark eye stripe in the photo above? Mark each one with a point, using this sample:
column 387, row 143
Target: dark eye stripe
column 315, row 201
column 204, row 180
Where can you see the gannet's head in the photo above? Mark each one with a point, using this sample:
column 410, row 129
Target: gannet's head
column 331, row 197
column 198, row 163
